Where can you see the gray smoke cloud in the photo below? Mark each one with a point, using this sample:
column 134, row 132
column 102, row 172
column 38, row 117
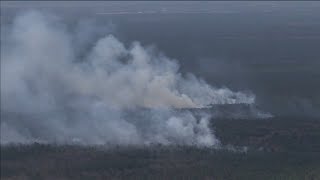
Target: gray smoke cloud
column 61, row 87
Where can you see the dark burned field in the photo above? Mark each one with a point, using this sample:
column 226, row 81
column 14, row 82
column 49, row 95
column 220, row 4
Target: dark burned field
column 278, row 149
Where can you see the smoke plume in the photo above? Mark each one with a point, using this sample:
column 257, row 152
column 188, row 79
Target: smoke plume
column 60, row 87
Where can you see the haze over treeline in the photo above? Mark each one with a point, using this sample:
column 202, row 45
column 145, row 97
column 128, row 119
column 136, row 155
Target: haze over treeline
column 118, row 73
column 52, row 94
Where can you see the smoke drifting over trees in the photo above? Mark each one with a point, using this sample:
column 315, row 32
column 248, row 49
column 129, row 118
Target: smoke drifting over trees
column 109, row 93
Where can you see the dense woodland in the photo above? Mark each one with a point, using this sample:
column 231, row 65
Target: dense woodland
column 277, row 149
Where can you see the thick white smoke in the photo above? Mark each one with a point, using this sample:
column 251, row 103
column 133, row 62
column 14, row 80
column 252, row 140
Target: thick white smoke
column 114, row 94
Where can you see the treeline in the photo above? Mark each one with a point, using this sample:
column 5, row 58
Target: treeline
column 277, row 134
column 277, row 149
column 40, row 161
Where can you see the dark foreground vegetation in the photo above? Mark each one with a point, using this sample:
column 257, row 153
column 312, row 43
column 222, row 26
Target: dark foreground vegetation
column 72, row 162
column 277, row 150
column 277, row 134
